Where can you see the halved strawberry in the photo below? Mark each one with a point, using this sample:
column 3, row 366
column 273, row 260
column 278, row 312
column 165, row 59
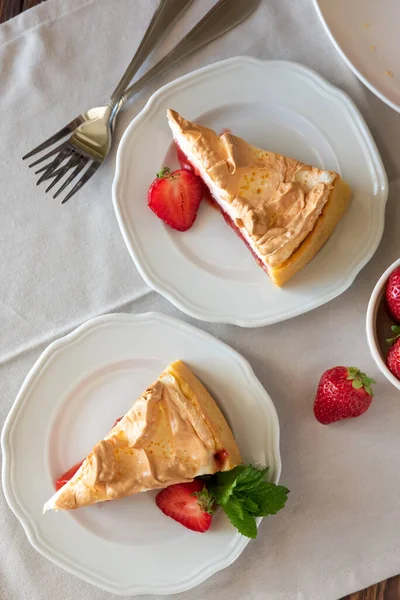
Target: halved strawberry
column 175, row 197
column 188, row 503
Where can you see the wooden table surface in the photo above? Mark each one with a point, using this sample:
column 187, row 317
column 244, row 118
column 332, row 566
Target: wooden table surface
column 386, row 590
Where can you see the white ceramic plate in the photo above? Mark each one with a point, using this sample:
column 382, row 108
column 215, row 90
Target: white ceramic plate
column 208, row 272
column 71, row 397
column 366, row 34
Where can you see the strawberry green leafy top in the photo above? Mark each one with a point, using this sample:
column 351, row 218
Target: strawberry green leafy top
column 360, row 380
column 396, row 330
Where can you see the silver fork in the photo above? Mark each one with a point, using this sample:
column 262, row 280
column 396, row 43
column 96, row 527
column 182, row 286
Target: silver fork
column 91, row 132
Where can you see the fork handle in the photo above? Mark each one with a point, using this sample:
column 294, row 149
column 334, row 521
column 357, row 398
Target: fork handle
column 167, row 12
column 223, row 16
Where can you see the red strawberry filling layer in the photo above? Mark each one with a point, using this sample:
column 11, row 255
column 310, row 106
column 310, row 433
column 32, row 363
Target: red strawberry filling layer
column 61, row 481
column 236, row 229
column 221, row 456
column 65, row 477
column 186, row 164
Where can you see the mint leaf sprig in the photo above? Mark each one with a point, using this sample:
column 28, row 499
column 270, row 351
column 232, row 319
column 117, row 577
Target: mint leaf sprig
column 243, row 494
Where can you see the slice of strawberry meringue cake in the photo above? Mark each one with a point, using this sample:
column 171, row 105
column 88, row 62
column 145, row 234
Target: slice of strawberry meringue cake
column 283, row 209
column 173, row 433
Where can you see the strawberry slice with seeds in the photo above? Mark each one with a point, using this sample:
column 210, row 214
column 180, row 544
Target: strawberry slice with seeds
column 175, row 197
column 188, row 503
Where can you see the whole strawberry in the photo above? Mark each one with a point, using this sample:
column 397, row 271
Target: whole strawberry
column 393, row 294
column 343, row 393
column 393, row 356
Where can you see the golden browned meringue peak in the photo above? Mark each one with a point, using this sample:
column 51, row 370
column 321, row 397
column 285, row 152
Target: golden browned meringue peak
column 276, row 199
column 170, row 435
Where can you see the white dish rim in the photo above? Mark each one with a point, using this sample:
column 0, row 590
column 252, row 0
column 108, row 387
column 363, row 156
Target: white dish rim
column 348, row 62
column 174, row 296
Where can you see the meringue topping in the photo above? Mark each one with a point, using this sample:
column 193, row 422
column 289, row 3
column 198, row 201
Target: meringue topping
column 172, row 434
column 274, row 200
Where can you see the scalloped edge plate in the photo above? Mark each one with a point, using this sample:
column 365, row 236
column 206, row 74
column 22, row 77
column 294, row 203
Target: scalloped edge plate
column 253, row 301
column 61, row 368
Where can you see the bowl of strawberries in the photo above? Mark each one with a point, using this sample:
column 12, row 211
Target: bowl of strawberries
column 383, row 324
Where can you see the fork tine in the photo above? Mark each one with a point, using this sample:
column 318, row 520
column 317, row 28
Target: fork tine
column 54, row 151
column 46, row 167
column 85, row 177
column 73, row 159
column 54, row 138
column 54, row 164
column 82, row 163
column 42, row 169
column 59, row 173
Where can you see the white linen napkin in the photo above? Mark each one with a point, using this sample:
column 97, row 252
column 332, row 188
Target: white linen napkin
column 61, row 265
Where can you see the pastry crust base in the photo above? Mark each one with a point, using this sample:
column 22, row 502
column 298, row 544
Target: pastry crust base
column 332, row 213
column 196, row 393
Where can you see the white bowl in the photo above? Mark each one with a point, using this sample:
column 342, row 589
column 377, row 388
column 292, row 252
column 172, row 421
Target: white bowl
column 379, row 323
